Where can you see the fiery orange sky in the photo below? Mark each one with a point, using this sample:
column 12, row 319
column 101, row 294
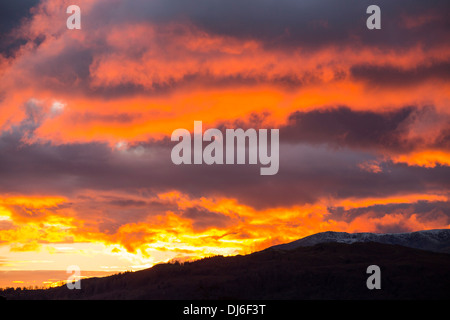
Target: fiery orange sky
column 86, row 116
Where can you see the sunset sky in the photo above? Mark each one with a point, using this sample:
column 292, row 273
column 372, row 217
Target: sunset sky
column 86, row 117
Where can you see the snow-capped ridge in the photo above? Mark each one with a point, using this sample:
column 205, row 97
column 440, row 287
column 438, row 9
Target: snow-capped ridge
column 437, row 240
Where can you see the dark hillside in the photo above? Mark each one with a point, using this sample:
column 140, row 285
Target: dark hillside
column 323, row 271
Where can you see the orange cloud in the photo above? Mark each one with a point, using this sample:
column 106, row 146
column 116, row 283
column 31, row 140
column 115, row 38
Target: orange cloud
column 425, row 158
column 153, row 79
column 249, row 229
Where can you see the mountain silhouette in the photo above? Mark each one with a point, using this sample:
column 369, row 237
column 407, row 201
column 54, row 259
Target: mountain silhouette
column 324, row 270
column 437, row 240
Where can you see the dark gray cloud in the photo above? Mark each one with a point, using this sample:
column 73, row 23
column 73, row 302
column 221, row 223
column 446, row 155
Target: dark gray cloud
column 423, row 211
column 110, row 212
column 12, row 13
column 65, row 70
column 203, row 219
column 196, row 80
column 309, row 23
column 394, row 76
column 309, row 168
column 369, row 130
column 421, row 207
column 109, row 118
column 443, row 140
column 345, row 127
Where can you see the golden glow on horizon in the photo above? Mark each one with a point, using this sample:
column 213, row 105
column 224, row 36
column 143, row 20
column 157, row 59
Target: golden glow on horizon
column 171, row 236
